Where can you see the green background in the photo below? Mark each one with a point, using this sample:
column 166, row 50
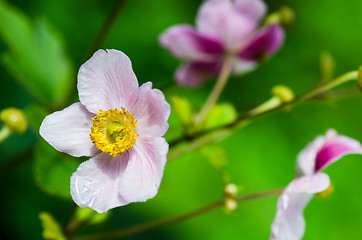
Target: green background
column 261, row 156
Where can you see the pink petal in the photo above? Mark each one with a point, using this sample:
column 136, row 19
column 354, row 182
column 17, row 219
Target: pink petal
column 69, row 130
column 96, row 182
column 325, row 150
column 142, row 177
column 107, row 81
column 254, row 9
column 104, row 182
column 151, row 111
column 265, row 43
column 289, row 222
column 196, row 73
column 334, row 150
column 185, row 42
column 222, row 20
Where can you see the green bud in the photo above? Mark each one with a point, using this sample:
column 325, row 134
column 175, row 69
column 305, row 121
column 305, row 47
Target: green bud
column 230, row 205
column 286, row 16
column 231, row 190
column 284, row 93
column 326, row 193
column 14, row 119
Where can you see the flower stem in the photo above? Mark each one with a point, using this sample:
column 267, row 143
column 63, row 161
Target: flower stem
column 107, row 26
column 217, row 90
column 5, row 132
column 166, row 221
column 203, row 137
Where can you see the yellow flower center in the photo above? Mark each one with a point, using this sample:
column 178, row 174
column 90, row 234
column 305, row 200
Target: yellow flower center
column 113, row 131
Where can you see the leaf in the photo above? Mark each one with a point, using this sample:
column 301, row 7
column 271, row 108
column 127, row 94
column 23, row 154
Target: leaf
column 53, row 169
column 220, row 115
column 51, row 228
column 182, row 108
column 35, row 56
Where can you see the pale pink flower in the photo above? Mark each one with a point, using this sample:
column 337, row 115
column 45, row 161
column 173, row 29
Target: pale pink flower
column 289, row 222
column 222, row 27
column 120, row 125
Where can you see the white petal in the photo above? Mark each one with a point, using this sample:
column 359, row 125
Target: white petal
column 254, row 9
column 95, row 184
column 289, row 222
column 222, row 20
column 151, row 111
column 107, row 81
column 142, row 177
column 69, row 131
column 104, row 182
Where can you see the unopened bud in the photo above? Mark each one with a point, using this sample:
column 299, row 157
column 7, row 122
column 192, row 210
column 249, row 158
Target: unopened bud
column 284, row 93
column 286, row 16
column 14, row 119
column 231, row 190
column 326, row 193
column 230, row 205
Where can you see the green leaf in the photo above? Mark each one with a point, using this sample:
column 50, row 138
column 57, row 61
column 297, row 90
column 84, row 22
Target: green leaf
column 51, row 228
column 220, row 115
column 35, row 56
column 53, row 169
column 182, row 108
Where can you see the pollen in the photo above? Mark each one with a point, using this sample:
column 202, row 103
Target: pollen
column 113, row 131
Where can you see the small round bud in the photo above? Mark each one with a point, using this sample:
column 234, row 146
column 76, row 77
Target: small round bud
column 230, row 205
column 284, row 93
column 14, row 119
column 326, row 193
column 286, row 16
column 231, row 190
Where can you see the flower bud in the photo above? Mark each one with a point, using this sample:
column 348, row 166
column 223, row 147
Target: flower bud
column 230, row 205
column 284, row 93
column 14, row 119
column 231, row 190
column 326, row 193
column 286, row 16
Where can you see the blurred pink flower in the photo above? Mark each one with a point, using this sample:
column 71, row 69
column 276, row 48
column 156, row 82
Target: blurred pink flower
column 289, row 221
column 222, row 27
column 118, row 123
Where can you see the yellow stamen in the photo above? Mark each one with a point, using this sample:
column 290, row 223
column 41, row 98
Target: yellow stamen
column 113, row 131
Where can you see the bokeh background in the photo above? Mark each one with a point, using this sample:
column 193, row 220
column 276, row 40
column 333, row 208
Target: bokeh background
column 260, row 156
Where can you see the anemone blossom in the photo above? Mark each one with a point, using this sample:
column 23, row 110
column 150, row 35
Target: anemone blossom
column 120, row 125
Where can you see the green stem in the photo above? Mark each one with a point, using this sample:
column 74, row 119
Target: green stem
column 107, row 26
column 217, row 90
column 5, row 132
column 211, row 135
column 166, row 221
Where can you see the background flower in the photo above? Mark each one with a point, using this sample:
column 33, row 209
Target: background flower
column 223, row 27
column 289, row 221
